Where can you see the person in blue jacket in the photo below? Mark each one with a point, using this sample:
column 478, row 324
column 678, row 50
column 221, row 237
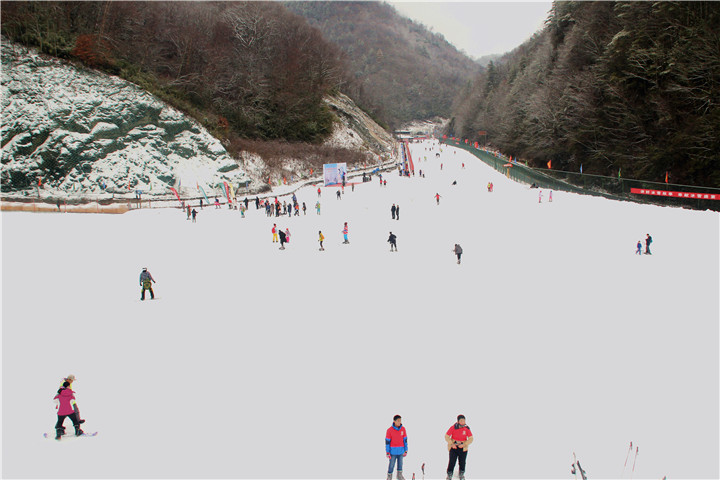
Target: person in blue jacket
column 396, row 447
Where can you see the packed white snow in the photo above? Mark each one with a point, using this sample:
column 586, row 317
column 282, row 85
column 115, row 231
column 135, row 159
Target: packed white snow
column 551, row 337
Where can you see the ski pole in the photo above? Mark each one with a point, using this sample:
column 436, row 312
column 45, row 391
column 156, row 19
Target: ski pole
column 635, row 460
column 626, row 459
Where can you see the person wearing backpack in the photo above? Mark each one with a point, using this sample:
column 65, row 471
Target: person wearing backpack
column 648, row 241
column 458, row 251
column 146, row 281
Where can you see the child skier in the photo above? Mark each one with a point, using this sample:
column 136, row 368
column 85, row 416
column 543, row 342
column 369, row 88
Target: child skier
column 639, row 248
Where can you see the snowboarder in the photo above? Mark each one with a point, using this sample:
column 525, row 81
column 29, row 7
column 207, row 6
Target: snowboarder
column 396, row 447
column 639, row 248
column 458, row 251
column 146, row 281
column 321, row 239
column 392, row 239
column 437, row 198
column 393, row 209
column 458, row 438
column 317, row 207
column 64, row 403
column 345, row 233
column 194, row 215
column 70, row 379
column 648, row 241
column 282, row 240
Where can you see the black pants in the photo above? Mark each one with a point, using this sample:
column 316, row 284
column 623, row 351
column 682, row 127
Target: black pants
column 456, row 454
column 61, row 418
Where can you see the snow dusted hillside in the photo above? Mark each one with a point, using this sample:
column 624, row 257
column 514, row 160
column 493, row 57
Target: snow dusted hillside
column 85, row 132
column 552, row 336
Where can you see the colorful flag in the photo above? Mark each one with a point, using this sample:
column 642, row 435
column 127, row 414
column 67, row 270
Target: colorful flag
column 666, row 176
column 581, row 168
column 549, row 164
column 619, row 174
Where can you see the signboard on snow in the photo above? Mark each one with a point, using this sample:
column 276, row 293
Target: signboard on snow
column 334, row 173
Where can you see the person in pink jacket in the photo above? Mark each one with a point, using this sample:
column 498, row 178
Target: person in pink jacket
column 64, row 401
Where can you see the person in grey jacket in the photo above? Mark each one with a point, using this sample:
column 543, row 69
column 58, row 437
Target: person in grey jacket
column 458, row 252
column 146, row 281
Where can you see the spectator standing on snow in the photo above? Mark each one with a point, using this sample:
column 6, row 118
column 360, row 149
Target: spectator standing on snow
column 458, row 251
column 396, row 447
column 458, row 438
column 146, row 281
column 392, row 239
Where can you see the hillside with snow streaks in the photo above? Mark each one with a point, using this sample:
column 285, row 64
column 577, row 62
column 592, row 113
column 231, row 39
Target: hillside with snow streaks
column 79, row 131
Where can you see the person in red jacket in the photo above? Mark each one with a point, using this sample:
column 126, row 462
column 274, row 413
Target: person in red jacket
column 396, row 447
column 458, row 438
column 65, row 399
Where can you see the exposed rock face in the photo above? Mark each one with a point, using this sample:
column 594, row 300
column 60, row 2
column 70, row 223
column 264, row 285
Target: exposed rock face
column 355, row 128
column 84, row 132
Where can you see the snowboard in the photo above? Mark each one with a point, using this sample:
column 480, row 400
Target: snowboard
column 70, row 435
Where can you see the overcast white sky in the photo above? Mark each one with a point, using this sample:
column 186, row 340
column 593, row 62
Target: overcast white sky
column 479, row 28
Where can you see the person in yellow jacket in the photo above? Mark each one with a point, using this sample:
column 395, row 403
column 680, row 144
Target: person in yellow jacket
column 321, row 238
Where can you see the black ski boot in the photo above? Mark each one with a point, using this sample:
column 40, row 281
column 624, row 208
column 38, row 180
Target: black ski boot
column 59, row 432
column 78, row 431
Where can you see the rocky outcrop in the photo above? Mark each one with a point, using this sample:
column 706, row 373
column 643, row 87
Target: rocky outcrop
column 75, row 131
column 355, row 128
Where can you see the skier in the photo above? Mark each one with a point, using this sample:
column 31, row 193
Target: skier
column 287, row 235
column 639, row 248
column 194, row 215
column 397, row 212
column 321, row 239
column 490, row 187
column 396, row 447
column 188, row 213
column 392, row 211
column 64, row 403
column 540, row 196
column 275, row 234
column 201, row 204
column 463, row 165
column 648, row 241
column 441, row 165
column 393, row 242
column 257, row 203
column 437, row 198
column 217, row 203
column 458, row 438
column 319, row 192
column 458, row 251
column 317, row 207
column 304, row 209
column 345, row 233
column 338, row 195
column 282, row 240
column 550, row 196
column 146, row 281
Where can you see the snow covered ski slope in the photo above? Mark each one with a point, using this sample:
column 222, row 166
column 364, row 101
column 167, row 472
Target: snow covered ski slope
column 551, row 337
